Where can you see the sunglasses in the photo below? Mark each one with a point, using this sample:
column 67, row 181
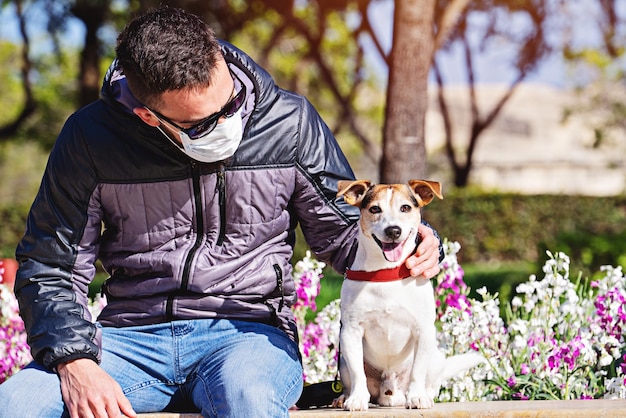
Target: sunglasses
column 209, row 123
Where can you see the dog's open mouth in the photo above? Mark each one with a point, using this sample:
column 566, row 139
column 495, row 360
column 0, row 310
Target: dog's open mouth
column 392, row 251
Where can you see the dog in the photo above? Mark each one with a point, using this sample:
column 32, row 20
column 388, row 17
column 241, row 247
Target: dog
column 388, row 340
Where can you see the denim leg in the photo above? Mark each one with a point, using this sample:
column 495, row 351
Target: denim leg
column 32, row 392
column 140, row 359
column 223, row 368
column 254, row 371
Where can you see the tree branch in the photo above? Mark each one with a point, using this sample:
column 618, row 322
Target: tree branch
column 447, row 121
column 370, row 149
column 449, row 18
column 30, row 104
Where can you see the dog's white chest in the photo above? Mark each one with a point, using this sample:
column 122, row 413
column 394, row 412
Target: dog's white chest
column 390, row 315
column 406, row 301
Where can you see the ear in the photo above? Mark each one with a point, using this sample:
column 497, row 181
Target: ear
column 353, row 191
column 146, row 116
column 425, row 190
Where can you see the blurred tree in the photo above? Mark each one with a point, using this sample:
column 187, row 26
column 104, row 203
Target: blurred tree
column 38, row 89
column 404, row 146
column 486, row 23
column 12, row 85
column 9, row 128
column 94, row 14
column 600, row 69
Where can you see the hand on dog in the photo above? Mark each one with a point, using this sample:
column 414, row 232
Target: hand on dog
column 425, row 261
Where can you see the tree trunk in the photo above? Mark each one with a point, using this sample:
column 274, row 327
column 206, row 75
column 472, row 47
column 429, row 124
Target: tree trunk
column 93, row 14
column 404, row 149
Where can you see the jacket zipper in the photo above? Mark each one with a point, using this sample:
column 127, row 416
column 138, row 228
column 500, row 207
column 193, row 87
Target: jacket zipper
column 197, row 196
column 279, row 286
column 221, row 190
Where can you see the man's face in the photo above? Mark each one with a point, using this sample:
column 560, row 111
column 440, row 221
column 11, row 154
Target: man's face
column 188, row 107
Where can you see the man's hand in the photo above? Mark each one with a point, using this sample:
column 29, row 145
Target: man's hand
column 89, row 392
column 425, row 261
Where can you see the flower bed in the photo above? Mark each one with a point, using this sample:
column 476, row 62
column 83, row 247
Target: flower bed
column 558, row 339
column 14, row 352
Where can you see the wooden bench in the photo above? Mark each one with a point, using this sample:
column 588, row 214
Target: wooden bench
column 496, row 409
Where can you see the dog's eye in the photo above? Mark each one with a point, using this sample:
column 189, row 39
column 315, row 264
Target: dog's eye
column 375, row 209
column 405, row 208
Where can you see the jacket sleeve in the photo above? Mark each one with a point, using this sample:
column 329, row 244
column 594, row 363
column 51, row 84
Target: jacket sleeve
column 329, row 225
column 50, row 286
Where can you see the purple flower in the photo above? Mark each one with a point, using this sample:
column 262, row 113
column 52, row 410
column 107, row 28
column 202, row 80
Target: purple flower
column 524, row 369
column 511, row 381
column 554, row 362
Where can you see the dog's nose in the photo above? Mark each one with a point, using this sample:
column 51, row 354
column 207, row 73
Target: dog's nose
column 393, row 232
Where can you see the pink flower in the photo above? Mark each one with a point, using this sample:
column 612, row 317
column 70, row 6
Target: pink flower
column 511, row 381
column 524, row 369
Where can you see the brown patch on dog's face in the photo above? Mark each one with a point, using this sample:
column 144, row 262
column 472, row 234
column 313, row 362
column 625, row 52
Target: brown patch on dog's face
column 425, row 190
column 390, row 213
column 354, row 192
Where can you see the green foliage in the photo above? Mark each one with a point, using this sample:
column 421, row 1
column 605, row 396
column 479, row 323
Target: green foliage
column 589, row 250
column 23, row 157
column 54, row 87
column 511, row 228
column 55, row 90
column 13, row 220
column 498, row 278
column 12, row 92
column 21, row 167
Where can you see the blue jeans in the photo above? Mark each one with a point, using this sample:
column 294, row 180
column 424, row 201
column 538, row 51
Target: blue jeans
column 221, row 368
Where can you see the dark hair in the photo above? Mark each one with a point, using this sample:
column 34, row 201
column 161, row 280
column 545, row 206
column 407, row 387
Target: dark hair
column 166, row 49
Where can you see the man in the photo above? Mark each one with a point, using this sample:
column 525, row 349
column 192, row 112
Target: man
column 187, row 180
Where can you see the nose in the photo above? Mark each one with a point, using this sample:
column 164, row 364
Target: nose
column 393, row 232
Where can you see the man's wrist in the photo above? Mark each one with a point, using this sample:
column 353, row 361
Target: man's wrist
column 61, row 366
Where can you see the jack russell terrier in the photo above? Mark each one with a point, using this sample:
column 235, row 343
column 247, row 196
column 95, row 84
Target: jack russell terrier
column 388, row 340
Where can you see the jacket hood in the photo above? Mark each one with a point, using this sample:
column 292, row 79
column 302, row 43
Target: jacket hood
column 115, row 89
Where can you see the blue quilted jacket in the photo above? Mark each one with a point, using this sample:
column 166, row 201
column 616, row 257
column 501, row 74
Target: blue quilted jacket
column 180, row 239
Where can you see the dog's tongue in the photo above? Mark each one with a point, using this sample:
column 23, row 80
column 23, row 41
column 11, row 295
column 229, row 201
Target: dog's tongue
column 392, row 251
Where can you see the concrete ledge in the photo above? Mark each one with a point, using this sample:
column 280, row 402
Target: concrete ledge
column 495, row 409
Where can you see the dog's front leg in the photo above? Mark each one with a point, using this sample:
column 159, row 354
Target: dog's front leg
column 351, row 340
column 427, row 357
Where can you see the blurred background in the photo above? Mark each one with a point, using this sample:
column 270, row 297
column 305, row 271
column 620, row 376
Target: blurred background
column 516, row 106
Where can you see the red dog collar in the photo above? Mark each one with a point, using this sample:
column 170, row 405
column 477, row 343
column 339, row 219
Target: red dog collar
column 386, row 275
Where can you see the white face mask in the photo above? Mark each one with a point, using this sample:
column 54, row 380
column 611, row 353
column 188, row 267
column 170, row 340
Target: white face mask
column 218, row 144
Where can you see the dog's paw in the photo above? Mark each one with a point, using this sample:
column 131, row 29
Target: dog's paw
column 356, row 402
column 420, row 401
column 338, row 402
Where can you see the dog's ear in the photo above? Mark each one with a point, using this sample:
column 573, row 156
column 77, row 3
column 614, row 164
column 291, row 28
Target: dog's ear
column 353, row 191
column 425, row 190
